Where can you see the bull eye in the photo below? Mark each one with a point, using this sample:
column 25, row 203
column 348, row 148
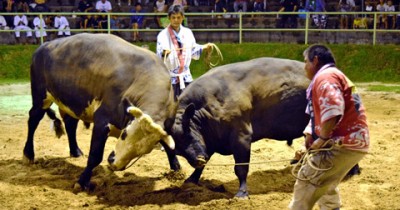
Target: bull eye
column 123, row 135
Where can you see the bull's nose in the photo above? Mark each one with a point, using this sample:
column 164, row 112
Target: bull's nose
column 111, row 158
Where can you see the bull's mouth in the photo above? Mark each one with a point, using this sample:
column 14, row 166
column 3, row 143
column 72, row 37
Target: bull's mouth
column 111, row 161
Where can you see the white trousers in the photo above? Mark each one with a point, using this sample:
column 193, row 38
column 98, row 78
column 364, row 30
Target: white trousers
column 19, row 28
column 322, row 187
column 39, row 33
column 64, row 29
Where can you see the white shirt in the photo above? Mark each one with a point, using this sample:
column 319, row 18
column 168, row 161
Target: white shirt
column 17, row 19
column 390, row 9
column 160, row 5
column 193, row 51
column 39, row 23
column 3, row 21
column 106, row 6
column 60, row 21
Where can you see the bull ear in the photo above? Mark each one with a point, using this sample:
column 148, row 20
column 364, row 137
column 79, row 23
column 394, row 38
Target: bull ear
column 189, row 111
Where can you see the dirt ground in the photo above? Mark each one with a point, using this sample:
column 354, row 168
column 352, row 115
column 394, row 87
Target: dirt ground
column 48, row 184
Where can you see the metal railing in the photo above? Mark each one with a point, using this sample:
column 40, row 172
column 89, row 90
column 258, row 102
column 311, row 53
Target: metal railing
column 237, row 20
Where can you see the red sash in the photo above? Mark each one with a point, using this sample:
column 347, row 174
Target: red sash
column 180, row 51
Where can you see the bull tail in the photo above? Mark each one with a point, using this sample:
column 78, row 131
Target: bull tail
column 86, row 124
column 57, row 124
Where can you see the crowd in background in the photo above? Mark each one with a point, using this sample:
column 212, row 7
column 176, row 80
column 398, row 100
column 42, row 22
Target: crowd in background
column 29, row 22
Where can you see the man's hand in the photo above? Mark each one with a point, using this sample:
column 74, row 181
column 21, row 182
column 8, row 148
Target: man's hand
column 320, row 143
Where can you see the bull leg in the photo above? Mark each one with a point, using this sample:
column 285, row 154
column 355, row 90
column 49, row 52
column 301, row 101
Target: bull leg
column 35, row 115
column 97, row 144
column 173, row 160
column 241, row 154
column 70, row 126
column 195, row 177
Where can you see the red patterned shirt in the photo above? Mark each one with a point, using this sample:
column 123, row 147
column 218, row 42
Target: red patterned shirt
column 333, row 94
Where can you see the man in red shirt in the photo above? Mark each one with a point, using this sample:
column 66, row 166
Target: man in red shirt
column 337, row 119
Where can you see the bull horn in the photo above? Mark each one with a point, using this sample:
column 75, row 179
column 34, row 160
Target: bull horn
column 136, row 112
column 169, row 141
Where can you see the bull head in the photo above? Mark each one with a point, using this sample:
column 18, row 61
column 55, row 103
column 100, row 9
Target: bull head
column 137, row 139
column 189, row 140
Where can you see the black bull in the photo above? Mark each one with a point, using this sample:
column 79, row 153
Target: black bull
column 231, row 106
column 95, row 78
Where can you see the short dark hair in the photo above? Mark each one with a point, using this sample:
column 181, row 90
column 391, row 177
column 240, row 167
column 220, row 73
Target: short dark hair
column 176, row 9
column 138, row 4
column 323, row 53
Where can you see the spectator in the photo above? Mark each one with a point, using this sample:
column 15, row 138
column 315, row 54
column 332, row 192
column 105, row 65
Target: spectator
column 49, row 20
column 240, row 5
column 288, row 21
column 115, row 24
column 10, row 6
column 317, row 6
column 183, row 3
column 21, row 23
column 220, row 6
column 40, row 28
column 398, row 19
column 41, row 6
column 92, row 22
column 258, row 6
column 381, row 7
column 177, row 46
column 3, row 23
column 337, row 133
column 160, row 6
column 103, row 6
column 61, row 23
column 85, row 6
column 391, row 18
column 103, row 22
column 345, row 6
column 22, row 5
column 137, row 21
column 370, row 17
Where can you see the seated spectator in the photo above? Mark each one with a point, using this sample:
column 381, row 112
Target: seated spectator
column 22, row 5
column 115, row 24
column 345, row 6
column 3, row 23
column 40, row 28
column 391, row 18
column 103, row 22
column 317, row 6
column 398, row 19
column 92, row 22
column 85, row 6
column 40, row 6
column 288, row 21
column 103, row 6
column 258, row 6
column 10, row 6
column 220, row 6
column 370, row 17
column 159, row 6
column 137, row 21
column 61, row 23
column 382, row 21
column 21, row 23
column 240, row 5
column 183, row 3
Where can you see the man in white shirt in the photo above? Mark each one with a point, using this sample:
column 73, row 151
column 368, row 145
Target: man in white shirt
column 103, row 6
column 21, row 23
column 177, row 46
column 3, row 23
column 61, row 23
column 40, row 27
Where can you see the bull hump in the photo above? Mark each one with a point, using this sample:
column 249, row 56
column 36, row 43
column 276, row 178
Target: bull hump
column 86, row 114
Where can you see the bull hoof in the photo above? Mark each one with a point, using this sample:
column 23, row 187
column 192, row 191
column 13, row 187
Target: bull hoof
column 242, row 194
column 76, row 153
column 79, row 188
column 27, row 160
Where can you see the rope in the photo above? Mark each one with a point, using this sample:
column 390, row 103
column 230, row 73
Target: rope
column 306, row 159
column 133, row 162
column 207, row 58
column 245, row 164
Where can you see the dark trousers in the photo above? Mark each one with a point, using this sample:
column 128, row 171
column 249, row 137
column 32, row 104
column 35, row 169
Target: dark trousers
column 178, row 90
